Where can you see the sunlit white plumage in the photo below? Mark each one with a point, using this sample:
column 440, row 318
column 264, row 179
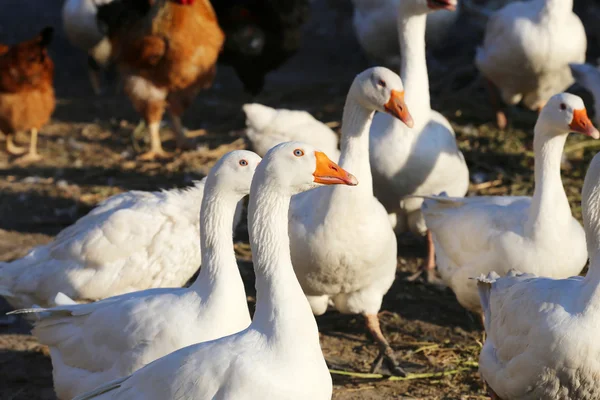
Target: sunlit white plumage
column 528, row 47
column 423, row 159
column 541, row 333
column 477, row 235
column 376, row 28
column 267, row 127
column 94, row 343
column 343, row 246
column 281, row 346
column 132, row 241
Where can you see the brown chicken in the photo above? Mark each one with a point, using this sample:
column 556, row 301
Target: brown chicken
column 26, row 91
column 167, row 51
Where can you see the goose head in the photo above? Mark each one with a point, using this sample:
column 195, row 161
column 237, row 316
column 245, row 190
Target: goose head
column 294, row 167
column 380, row 89
column 419, row 7
column 233, row 173
column 564, row 113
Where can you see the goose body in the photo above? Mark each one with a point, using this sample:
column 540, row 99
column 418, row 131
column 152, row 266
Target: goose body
column 281, row 346
column 541, row 341
column 267, row 127
column 342, row 244
column 477, row 235
column 376, row 28
column 132, row 241
column 94, row 343
column 423, row 159
column 81, row 27
column 588, row 76
column 528, row 47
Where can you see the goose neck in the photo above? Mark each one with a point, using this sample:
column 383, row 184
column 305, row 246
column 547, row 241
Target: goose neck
column 549, row 204
column 282, row 312
column 219, row 268
column 413, row 65
column 354, row 144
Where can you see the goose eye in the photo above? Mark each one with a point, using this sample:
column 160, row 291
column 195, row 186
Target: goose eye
column 243, row 163
column 298, row 152
column 381, row 83
column 563, row 106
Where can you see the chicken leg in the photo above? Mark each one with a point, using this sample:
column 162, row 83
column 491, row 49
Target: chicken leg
column 386, row 353
column 181, row 140
column 156, row 149
column 94, row 71
column 11, row 147
column 32, row 155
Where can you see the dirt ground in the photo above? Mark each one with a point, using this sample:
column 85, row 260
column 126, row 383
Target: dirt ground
column 89, row 154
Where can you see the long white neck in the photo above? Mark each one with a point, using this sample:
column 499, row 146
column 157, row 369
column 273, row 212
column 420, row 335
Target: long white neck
column 219, row 271
column 550, row 208
column 282, row 314
column 354, row 157
column 413, row 67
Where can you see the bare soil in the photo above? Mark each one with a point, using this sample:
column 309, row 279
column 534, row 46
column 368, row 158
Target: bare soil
column 89, row 155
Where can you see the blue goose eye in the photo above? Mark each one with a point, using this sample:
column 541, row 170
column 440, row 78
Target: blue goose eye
column 382, row 83
column 243, row 163
column 298, row 152
column 563, row 106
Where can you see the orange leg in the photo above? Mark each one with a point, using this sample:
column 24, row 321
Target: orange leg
column 501, row 120
column 386, row 353
column 491, row 393
column 429, row 267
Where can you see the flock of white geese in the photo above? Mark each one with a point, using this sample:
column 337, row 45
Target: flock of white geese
column 106, row 295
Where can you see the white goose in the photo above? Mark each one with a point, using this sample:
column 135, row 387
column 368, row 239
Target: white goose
column 94, row 343
column 527, row 50
column 281, row 346
column 81, row 27
column 267, row 127
column 423, row 159
column 343, row 246
column 478, row 235
column 588, row 76
column 376, row 28
column 127, row 243
column 542, row 333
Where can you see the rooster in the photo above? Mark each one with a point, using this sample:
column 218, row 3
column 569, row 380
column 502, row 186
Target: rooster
column 261, row 36
column 26, row 91
column 166, row 51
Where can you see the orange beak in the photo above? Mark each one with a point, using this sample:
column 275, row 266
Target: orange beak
column 397, row 107
column 582, row 124
column 329, row 173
